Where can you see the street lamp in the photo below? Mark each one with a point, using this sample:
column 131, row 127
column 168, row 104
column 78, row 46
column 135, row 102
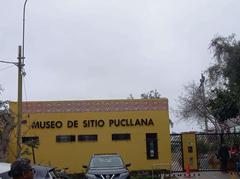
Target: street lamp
column 23, row 35
column 21, row 73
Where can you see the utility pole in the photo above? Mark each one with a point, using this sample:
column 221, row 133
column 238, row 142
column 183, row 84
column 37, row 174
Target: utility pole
column 202, row 80
column 21, row 73
column 20, row 65
column 19, row 113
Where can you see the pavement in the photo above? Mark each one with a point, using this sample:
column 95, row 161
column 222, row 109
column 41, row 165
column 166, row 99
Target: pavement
column 209, row 175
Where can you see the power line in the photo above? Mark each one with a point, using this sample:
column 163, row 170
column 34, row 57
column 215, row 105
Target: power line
column 10, row 66
column 9, row 62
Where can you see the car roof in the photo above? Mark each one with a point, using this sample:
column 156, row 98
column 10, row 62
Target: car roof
column 4, row 167
column 113, row 154
column 42, row 167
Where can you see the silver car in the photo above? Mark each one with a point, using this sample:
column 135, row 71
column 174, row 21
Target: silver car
column 4, row 169
column 41, row 172
column 45, row 172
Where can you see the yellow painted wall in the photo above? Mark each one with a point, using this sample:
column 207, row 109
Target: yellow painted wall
column 189, row 140
column 74, row 155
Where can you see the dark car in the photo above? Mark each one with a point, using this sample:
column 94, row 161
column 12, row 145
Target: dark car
column 107, row 166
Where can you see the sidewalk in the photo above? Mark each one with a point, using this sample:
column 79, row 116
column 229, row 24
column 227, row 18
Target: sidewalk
column 210, row 175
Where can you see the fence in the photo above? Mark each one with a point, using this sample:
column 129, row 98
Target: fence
column 177, row 152
column 207, row 149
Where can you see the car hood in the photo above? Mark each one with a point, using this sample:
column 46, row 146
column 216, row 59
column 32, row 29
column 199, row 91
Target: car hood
column 4, row 167
column 103, row 171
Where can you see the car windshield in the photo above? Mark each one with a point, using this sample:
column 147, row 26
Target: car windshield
column 42, row 172
column 106, row 161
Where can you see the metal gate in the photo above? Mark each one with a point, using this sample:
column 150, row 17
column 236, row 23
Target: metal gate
column 208, row 146
column 177, row 153
column 207, row 150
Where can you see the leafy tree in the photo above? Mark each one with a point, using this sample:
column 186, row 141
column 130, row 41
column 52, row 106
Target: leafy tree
column 192, row 106
column 219, row 101
column 224, row 106
column 130, row 96
column 226, row 66
column 33, row 144
column 6, row 126
column 152, row 94
column 226, row 69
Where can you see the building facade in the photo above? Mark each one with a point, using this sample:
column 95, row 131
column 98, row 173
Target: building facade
column 70, row 132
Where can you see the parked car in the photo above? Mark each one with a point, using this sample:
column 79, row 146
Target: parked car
column 45, row 172
column 4, row 169
column 41, row 172
column 106, row 166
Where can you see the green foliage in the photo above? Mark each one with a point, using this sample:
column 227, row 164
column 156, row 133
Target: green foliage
column 224, row 106
column 33, row 144
column 227, row 54
column 153, row 94
column 6, row 126
column 225, row 71
column 216, row 99
column 202, row 147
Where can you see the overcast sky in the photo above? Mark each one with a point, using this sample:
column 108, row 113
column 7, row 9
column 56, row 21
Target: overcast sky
column 107, row 49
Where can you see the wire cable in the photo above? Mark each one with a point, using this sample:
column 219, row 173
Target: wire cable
column 5, row 68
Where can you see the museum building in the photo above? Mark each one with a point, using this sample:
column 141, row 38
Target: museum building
column 70, row 132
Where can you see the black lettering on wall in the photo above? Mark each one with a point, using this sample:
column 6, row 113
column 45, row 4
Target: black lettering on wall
column 124, row 122
column 46, row 124
column 58, row 124
column 150, row 122
column 75, row 123
column 35, row 125
column 71, row 124
column 101, row 123
column 111, row 122
column 85, row 123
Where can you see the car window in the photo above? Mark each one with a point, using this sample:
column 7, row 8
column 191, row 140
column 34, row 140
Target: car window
column 41, row 172
column 106, row 161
